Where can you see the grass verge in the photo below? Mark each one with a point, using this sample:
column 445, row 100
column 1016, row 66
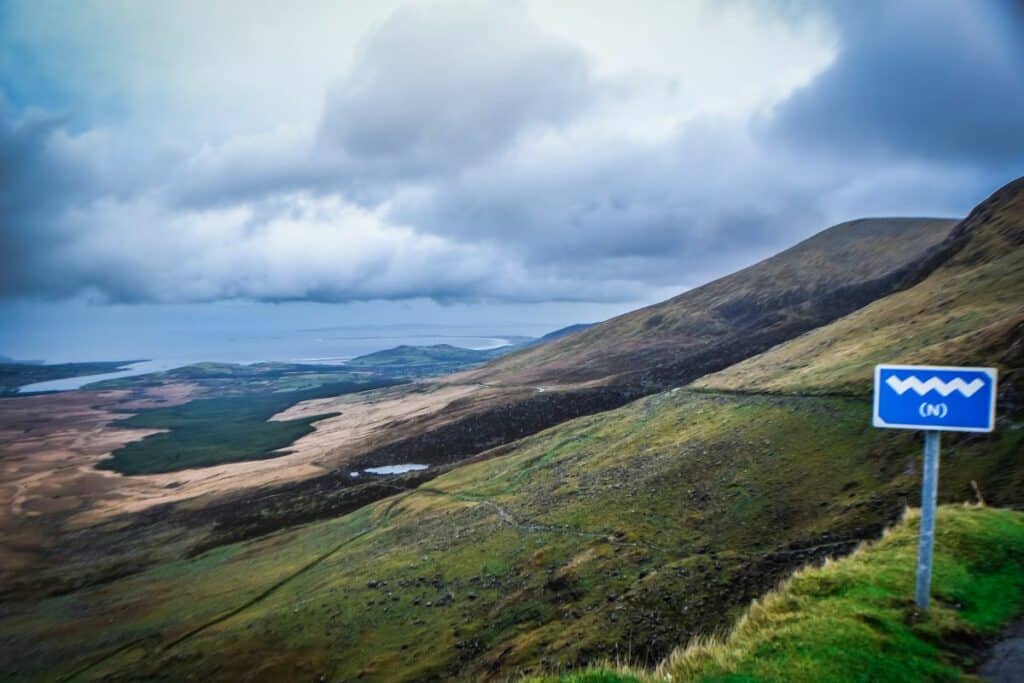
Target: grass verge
column 854, row 619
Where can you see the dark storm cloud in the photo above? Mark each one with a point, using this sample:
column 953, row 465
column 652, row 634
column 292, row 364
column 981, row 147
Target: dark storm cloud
column 679, row 211
column 934, row 80
column 37, row 180
column 467, row 154
column 425, row 121
column 920, row 113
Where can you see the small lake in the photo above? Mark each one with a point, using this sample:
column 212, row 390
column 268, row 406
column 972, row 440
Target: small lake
column 395, row 469
column 72, row 383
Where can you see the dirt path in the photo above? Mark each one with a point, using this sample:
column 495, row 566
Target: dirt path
column 1005, row 663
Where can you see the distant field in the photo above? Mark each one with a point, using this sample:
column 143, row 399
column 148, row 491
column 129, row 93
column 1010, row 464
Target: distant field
column 14, row 375
column 214, row 431
column 232, row 379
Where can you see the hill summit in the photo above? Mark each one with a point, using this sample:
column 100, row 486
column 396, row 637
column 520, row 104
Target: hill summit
column 708, row 328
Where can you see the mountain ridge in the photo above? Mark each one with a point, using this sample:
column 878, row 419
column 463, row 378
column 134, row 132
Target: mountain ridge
column 968, row 310
column 802, row 287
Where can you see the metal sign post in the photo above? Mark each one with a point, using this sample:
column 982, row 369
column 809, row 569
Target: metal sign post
column 929, row 489
column 934, row 399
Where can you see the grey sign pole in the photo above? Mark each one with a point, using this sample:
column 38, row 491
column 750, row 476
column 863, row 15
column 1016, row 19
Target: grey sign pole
column 929, row 488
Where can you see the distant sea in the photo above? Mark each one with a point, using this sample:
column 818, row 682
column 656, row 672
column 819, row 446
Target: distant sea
column 329, row 345
column 171, row 335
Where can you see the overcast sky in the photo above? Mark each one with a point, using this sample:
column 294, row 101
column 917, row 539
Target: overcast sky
column 596, row 155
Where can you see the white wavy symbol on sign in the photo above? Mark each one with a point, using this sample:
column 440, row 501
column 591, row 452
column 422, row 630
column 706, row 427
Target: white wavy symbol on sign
column 901, row 386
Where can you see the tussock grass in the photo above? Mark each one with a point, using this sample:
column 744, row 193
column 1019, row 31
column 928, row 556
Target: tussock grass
column 604, row 672
column 854, row 619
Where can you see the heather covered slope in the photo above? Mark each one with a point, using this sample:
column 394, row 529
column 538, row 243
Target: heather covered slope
column 810, row 284
column 969, row 311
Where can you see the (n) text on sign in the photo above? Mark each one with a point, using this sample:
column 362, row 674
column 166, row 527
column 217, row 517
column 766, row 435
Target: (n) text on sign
column 935, row 398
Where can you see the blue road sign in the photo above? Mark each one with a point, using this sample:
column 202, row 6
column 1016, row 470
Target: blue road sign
column 935, row 398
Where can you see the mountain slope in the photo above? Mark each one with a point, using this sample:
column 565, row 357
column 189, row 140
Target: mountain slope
column 741, row 315
column 969, row 311
column 619, row 534
column 705, row 329
column 728, row 320
column 559, row 333
column 616, row 534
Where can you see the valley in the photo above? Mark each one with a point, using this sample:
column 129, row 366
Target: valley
column 607, row 495
column 429, row 341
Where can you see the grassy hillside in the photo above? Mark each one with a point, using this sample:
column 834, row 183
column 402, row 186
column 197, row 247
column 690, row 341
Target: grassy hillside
column 614, row 536
column 617, row 534
column 855, row 619
column 559, row 333
column 970, row 311
column 814, row 282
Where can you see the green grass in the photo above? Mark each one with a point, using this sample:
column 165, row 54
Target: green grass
column 855, row 620
column 219, row 430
